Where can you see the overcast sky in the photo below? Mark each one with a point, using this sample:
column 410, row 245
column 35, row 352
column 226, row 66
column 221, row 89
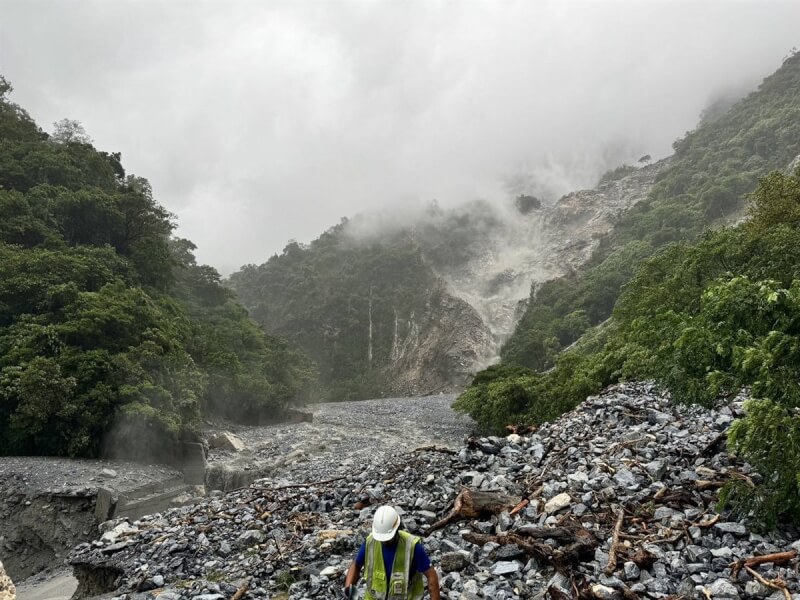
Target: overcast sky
column 257, row 122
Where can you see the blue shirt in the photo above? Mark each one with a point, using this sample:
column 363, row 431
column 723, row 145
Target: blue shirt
column 419, row 563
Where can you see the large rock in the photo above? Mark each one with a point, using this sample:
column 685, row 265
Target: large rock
column 454, row 561
column 7, row 589
column 722, row 588
column 225, row 440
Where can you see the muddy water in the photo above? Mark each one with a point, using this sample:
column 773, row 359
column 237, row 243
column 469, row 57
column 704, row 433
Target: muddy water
column 344, row 436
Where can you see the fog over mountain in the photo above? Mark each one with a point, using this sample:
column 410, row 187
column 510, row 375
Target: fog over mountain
column 260, row 122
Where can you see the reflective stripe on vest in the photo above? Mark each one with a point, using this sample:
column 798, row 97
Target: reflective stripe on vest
column 397, row 588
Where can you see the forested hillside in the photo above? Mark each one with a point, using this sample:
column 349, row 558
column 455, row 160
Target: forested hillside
column 704, row 317
column 362, row 309
column 712, row 169
column 112, row 338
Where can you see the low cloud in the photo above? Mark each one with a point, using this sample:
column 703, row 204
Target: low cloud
column 260, row 122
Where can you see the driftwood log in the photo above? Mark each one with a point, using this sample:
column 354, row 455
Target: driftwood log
column 577, row 543
column 472, row 504
column 779, row 558
column 612, row 553
column 775, row 584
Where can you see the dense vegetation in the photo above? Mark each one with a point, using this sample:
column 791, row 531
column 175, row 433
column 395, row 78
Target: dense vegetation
column 705, row 317
column 361, row 298
column 349, row 304
column 110, row 333
column 712, row 169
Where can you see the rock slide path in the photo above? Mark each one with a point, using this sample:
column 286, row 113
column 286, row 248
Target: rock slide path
column 344, row 436
column 620, row 504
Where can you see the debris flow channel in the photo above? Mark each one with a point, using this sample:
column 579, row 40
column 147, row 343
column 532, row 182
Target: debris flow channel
column 614, row 500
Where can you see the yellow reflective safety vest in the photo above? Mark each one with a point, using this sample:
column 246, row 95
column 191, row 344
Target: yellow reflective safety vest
column 398, row 587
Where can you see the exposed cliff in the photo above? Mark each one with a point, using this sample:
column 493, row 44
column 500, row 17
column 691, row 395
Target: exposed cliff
column 410, row 305
column 574, row 225
column 520, row 250
column 374, row 316
column 440, row 349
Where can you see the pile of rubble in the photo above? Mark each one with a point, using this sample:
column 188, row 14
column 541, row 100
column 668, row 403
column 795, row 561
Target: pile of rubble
column 614, row 500
column 342, row 436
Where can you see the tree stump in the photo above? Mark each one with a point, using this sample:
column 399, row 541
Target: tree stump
column 472, row 504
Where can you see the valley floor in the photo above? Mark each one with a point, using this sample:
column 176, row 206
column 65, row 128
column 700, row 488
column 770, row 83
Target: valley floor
column 343, row 437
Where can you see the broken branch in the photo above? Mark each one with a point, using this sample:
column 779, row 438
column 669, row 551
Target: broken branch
column 612, row 553
column 241, row 591
column 435, row 448
column 470, row 504
column 777, row 558
column 518, row 507
column 775, row 584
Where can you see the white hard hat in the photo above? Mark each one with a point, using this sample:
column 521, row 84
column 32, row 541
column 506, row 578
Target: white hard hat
column 385, row 524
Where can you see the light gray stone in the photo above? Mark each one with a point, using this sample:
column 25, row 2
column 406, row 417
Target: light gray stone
column 506, row 567
column 631, row 570
column 225, row 440
column 731, row 527
column 755, row 589
column 602, row 592
column 722, row 588
column 557, row 503
column 656, row 469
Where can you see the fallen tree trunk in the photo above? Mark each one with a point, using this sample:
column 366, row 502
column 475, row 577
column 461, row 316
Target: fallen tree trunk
column 580, row 546
column 471, row 504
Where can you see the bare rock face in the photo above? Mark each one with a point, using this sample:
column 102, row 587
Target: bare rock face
column 515, row 253
column 7, row 589
column 574, row 225
column 441, row 348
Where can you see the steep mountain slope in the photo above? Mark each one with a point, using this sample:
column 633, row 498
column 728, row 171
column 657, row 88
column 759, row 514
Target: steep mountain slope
column 545, row 273
column 374, row 316
column 705, row 318
column 418, row 304
column 713, row 168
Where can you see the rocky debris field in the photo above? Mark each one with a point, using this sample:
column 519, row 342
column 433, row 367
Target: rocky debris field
column 342, row 437
column 44, row 475
column 47, row 504
column 614, row 500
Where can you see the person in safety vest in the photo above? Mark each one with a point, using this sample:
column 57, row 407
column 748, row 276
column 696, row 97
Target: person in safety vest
column 394, row 562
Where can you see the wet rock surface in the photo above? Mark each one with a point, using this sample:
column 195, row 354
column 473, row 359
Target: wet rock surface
column 620, row 504
column 342, row 436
